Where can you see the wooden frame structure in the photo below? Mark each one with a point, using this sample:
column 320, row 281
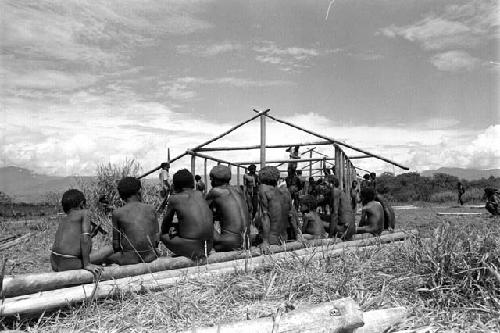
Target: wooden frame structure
column 343, row 165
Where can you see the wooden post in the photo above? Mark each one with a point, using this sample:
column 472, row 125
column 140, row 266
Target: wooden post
column 262, row 141
column 310, row 163
column 348, row 176
column 337, row 161
column 193, row 165
column 238, row 175
column 341, row 170
column 205, row 177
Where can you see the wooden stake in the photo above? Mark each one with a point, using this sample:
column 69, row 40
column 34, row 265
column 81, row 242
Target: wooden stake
column 310, row 164
column 205, row 176
column 193, row 165
column 262, row 141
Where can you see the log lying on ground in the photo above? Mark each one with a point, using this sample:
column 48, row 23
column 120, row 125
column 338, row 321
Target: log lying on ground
column 25, row 284
column 342, row 315
column 405, row 207
column 458, row 214
column 56, row 299
column 337, row 316
column 11, row 243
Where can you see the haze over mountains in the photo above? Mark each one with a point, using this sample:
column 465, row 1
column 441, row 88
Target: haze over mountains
column 24, row 185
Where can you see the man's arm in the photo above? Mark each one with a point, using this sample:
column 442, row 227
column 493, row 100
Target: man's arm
column 117, row 235
column 334, row 211
column 86, row 245
column 168, row 218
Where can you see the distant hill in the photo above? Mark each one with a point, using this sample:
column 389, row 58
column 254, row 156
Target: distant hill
column 23, row 185
column 467, row 174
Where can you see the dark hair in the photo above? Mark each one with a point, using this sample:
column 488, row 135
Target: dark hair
column 309, row 201
column 269, row 175
column 72, row 199
column 311, row 180
column 128, row 187
column 252, row 167
column 183, row 179
column 366, row 176
column 299, row 172
column 197, row 177
column 221, row 174
column 354, row 182
column 367, row 194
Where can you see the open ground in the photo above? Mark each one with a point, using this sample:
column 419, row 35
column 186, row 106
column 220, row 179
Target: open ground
column 448, row 284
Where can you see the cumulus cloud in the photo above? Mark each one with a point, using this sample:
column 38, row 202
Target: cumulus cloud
column 288, row 59
column 453, row 61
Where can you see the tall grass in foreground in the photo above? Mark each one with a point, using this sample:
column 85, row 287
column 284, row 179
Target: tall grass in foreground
column 448, row 281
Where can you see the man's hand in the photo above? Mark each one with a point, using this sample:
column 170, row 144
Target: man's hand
column 94, row 269
column 264, row 247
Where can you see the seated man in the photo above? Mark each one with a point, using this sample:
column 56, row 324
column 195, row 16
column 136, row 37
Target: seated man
column 492, row 201
column 389, row 215
column 135, row 227
column 230, row 208
column 276, row 210
column 341, row 217
column 372, row 215
column 192, row 237
column 312, row 225
column 72, row 245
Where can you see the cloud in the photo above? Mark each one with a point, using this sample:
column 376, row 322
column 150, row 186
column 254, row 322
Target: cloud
column 46, row 80
column 453, row 61
column 288, row 59
column 463, row 26
column 209, row 50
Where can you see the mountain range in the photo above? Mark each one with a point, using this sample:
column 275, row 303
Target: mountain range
column 23, row 185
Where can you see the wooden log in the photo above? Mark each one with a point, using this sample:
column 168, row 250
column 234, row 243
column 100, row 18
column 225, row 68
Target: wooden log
column 8, row 244
column 56, row 299
column 458, row 214
column 178, row 157
column 208, row 157
column 15, row 285
column 342, row 315
column 286, row 160
column 310, row 164
column 333, row 141
column 381, row 320
column 262, row 140
column 316, row 143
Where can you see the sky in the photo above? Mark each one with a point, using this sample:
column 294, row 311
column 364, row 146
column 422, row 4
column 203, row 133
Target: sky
column 91, row 82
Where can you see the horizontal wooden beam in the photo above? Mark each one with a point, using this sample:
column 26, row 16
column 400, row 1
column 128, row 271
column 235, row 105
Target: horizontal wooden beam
column 206, row 149
column 287, row 161
column 208, row 157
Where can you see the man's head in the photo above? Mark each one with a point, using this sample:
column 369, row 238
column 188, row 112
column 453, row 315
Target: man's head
column 252, row 168
column 197, row 178
column 128, row 187
column 299, row 173
column 366, row 195
column 220, row 175
column 373, row 175
column 333, row 180
column 308, row 203
column 310, row 180
column 72, row 199
column 269, row 175
column 354, row 183
column 183, row 179
column 366, row 176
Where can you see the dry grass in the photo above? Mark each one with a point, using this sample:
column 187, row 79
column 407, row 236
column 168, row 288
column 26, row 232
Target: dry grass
column 447, row 283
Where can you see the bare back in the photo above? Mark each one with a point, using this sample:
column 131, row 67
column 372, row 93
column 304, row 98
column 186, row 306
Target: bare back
column 67, row 238
column 231, row 207
column 372, row 217
column 137, row 226
column 277, row 204
column 194, row 215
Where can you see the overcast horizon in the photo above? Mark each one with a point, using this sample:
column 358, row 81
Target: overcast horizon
column 90, row 82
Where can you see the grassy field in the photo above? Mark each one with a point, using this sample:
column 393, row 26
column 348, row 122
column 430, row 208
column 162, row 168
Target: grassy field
column 448, row 284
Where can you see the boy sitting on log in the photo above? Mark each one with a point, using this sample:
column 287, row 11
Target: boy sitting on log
column 276, row 210
column 192, row 236
column 72, row 244
column 341, row 215
column 312, row 225
column 372, row 215
column 135, row 227
column 230, row 208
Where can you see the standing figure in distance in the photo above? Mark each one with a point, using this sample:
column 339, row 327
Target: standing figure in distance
column 461, row 191
column 200, row 185
column 250, row 185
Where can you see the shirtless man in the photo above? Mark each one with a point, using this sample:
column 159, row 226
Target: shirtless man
column 354, row 195
column 312, row 225
column 372, row 215
column 200, row 185
column 230, row 209
column 341, row 215
column 250, row 185
column 276, row 210
column 389, row 215
column 192, row 237
column 294, row 155
column 135, row 227
column 72, row 245
column 492, row 197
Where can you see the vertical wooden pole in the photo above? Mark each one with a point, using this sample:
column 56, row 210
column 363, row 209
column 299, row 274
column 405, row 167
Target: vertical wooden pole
column 238, row 175
column 193, row 165
column 205, row 176
column 310, row 164
column 337, row 161
column 341, row 170
column 262, row 141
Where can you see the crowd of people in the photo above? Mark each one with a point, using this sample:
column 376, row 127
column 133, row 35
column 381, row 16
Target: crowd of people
column 266, row 210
